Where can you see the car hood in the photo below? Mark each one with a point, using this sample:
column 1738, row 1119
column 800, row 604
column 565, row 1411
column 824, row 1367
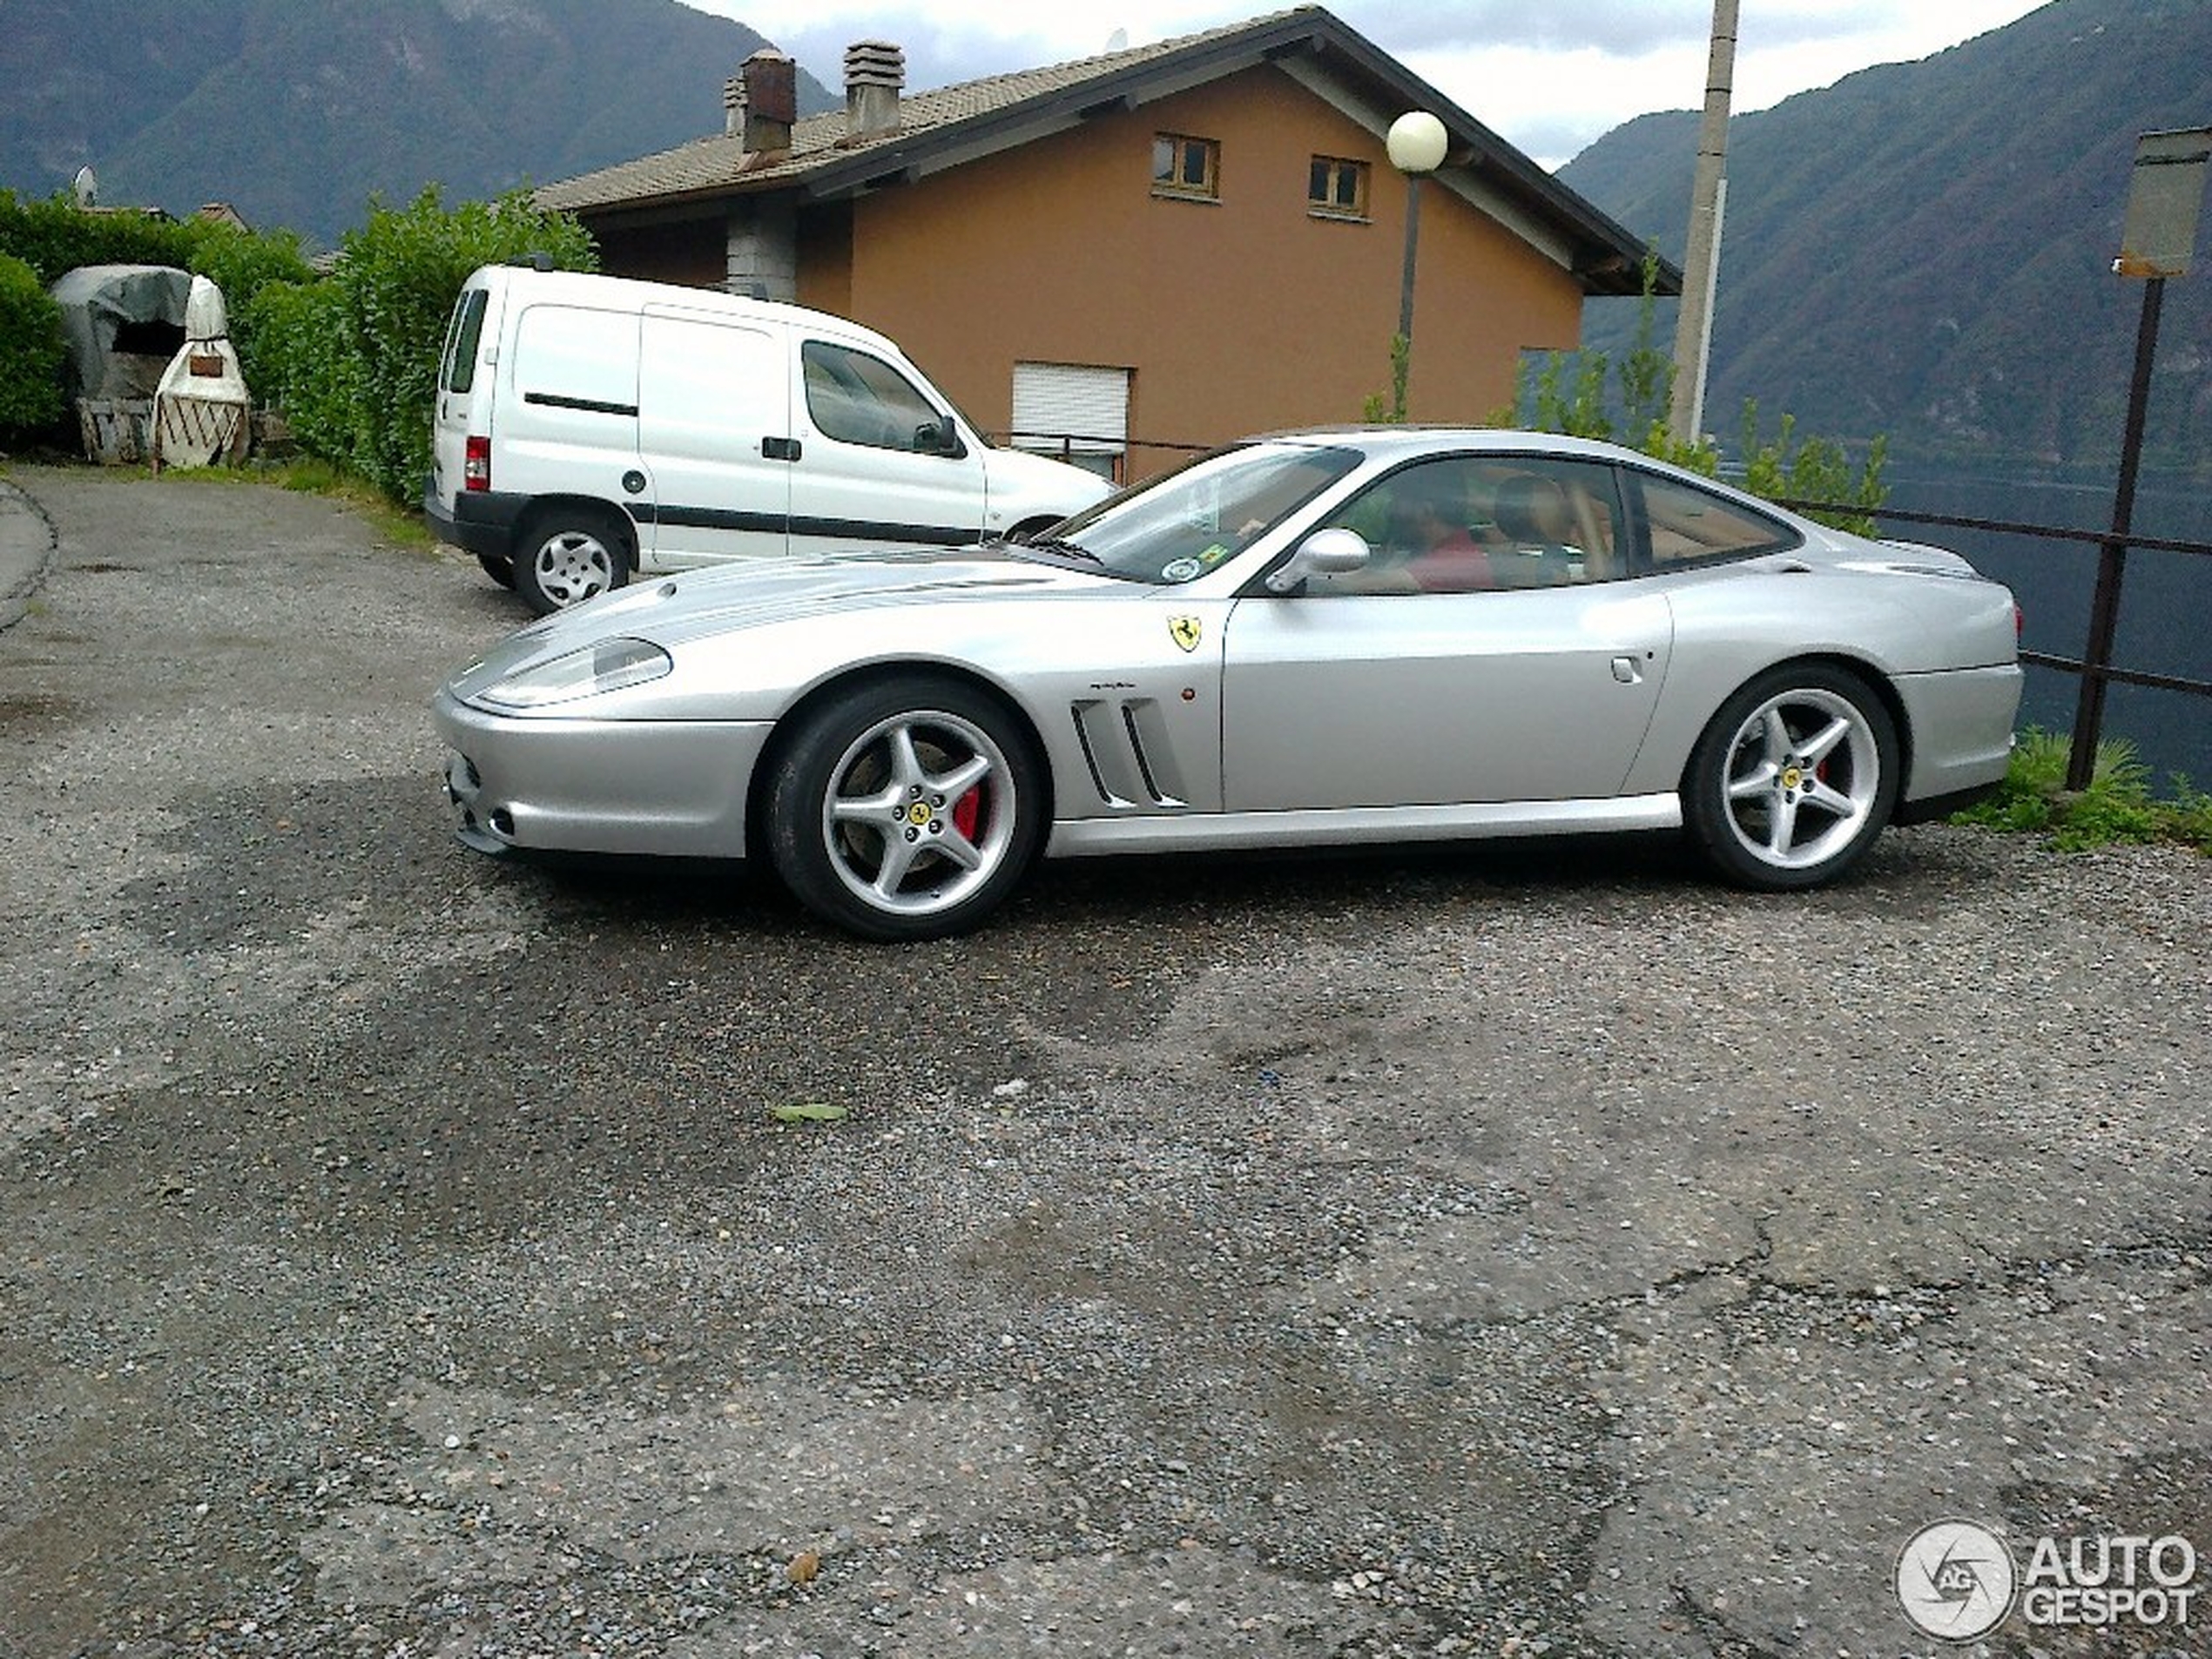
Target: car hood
column 673, row 611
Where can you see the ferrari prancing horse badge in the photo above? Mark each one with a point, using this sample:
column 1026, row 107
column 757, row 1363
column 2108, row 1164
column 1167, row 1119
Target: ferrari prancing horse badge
column 1185, row 632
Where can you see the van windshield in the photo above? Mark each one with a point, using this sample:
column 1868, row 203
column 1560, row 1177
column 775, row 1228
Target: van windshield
column 1186, row 522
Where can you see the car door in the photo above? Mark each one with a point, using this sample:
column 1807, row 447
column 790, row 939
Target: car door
column 1536, row 687
column 881, row 463
column 714, row 425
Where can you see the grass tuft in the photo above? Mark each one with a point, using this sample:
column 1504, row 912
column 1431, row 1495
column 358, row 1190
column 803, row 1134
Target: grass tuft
column 2118, row 806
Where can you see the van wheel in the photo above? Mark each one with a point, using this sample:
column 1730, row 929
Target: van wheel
column 500, row 571
column 569, row 556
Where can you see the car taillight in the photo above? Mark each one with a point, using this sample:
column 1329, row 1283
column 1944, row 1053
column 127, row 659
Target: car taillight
column 476, row 464
column 2020, row 621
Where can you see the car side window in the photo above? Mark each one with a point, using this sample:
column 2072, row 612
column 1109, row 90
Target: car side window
column 1467, row 523
column 858, row 399
column 1686, row 525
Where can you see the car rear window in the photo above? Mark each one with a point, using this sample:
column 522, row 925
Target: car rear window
column 460, row 344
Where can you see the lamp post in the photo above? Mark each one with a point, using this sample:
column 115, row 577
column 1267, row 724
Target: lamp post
column 1701, row 262
column 1417, row 143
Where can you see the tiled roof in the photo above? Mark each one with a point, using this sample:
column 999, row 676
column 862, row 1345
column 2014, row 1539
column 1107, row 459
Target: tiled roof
column 721, row 162
column 953, row 124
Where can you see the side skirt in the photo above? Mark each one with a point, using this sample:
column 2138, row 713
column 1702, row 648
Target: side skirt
column 1359, row 826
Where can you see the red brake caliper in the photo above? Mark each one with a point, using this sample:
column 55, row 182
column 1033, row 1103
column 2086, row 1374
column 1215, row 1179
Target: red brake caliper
column 967, row 811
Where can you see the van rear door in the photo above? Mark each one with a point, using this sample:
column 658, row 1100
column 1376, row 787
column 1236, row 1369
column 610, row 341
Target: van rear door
column 462, row 408
column 713, row 428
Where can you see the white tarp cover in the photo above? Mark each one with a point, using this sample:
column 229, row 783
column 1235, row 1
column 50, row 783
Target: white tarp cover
column 201, row 407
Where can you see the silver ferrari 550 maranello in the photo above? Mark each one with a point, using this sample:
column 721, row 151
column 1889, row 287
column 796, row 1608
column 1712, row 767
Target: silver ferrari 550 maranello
column 1313, row 638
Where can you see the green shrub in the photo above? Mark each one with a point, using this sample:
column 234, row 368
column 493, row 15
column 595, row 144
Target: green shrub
column 30, row 350
column 1568, row 392
column 305, row 365
column 2118, row 805
column 55, row 236
column 367, row 383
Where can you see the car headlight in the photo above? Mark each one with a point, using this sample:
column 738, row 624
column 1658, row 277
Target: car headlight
column 611, row 666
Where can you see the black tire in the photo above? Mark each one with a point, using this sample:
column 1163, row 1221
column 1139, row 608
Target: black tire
column 1794, row 779
column 906, row 808
column 571, row 555
column 499, row 570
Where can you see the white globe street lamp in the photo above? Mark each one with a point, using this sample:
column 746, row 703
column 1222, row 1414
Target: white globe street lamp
column 1417, row 143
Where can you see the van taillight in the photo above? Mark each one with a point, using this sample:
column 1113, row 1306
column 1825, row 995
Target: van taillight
column 476, row 464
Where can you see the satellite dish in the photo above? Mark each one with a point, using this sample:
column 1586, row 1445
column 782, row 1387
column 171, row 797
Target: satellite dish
column 85, row 188
column 1119, row 41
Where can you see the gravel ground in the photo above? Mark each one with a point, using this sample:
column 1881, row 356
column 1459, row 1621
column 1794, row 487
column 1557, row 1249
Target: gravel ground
column 1501, row 1251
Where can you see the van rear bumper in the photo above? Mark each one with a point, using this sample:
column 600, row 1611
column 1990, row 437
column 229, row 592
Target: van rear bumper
column 482, row 521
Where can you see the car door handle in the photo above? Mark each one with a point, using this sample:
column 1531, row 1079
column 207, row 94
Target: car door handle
column 779, row 449
column 1627, row 670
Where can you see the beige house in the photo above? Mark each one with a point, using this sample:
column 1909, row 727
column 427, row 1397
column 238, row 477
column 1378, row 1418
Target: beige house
column 1171, row 245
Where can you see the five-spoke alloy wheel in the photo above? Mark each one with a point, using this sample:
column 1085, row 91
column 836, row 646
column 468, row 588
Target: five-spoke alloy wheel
column 906, row 808
column 1794, row 779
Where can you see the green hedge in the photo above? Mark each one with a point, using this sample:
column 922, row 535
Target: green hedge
column 54, row 237
column 30, row 350
column 353, row 359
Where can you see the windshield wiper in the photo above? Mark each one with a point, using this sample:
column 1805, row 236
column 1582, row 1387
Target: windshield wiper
column 1056, row 544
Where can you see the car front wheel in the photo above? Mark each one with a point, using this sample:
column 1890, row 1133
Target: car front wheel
column 568, row 557
column 907, row 809
column 1794, row 779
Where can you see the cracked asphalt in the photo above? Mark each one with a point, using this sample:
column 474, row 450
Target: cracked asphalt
column 1502, row 1250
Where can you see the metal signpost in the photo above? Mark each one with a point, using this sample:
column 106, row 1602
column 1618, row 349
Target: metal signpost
column 2164, row 191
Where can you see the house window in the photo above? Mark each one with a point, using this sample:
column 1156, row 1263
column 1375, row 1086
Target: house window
column 1337, row 188
column 1185, row 167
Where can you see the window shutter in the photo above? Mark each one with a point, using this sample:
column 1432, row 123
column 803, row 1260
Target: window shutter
column 1081, row 406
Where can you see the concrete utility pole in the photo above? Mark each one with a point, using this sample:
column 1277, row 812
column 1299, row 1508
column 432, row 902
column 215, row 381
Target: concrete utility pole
column 1701, row 262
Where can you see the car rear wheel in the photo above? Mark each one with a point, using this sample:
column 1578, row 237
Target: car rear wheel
column 907, row 809
column 570, row 556
column 1794, row 779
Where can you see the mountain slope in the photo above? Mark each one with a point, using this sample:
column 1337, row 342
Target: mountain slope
column 1925, row 249
column 296, row 112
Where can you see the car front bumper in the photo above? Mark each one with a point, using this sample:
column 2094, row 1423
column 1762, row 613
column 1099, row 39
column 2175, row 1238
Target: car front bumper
column 671, row 788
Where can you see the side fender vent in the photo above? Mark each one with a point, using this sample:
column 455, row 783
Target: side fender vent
column 1125, row 744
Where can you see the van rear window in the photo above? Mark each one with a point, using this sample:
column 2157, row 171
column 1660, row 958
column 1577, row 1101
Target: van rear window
column 468, row 331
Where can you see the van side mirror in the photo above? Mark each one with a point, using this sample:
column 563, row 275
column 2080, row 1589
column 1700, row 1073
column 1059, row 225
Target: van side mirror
column 939, row 437
column 1331, row 552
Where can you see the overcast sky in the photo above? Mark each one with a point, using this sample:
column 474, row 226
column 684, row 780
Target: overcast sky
column 1549, row 76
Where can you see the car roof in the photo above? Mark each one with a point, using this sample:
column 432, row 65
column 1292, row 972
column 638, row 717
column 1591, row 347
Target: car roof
column 1384, row 441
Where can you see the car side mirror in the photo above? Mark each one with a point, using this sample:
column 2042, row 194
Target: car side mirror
column 939, row 438
column 1331, row 552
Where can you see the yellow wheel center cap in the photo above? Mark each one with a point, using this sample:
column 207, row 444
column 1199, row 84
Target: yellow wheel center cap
column 1793, row 778
column 917, row 814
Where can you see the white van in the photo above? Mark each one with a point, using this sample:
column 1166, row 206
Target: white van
column 590, row 427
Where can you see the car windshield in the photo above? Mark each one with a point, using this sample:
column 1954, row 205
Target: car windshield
column 1186, row 522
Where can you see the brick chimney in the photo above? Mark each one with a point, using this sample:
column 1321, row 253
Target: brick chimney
column 874, row 70
column 771, row 100
column 733, row 106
